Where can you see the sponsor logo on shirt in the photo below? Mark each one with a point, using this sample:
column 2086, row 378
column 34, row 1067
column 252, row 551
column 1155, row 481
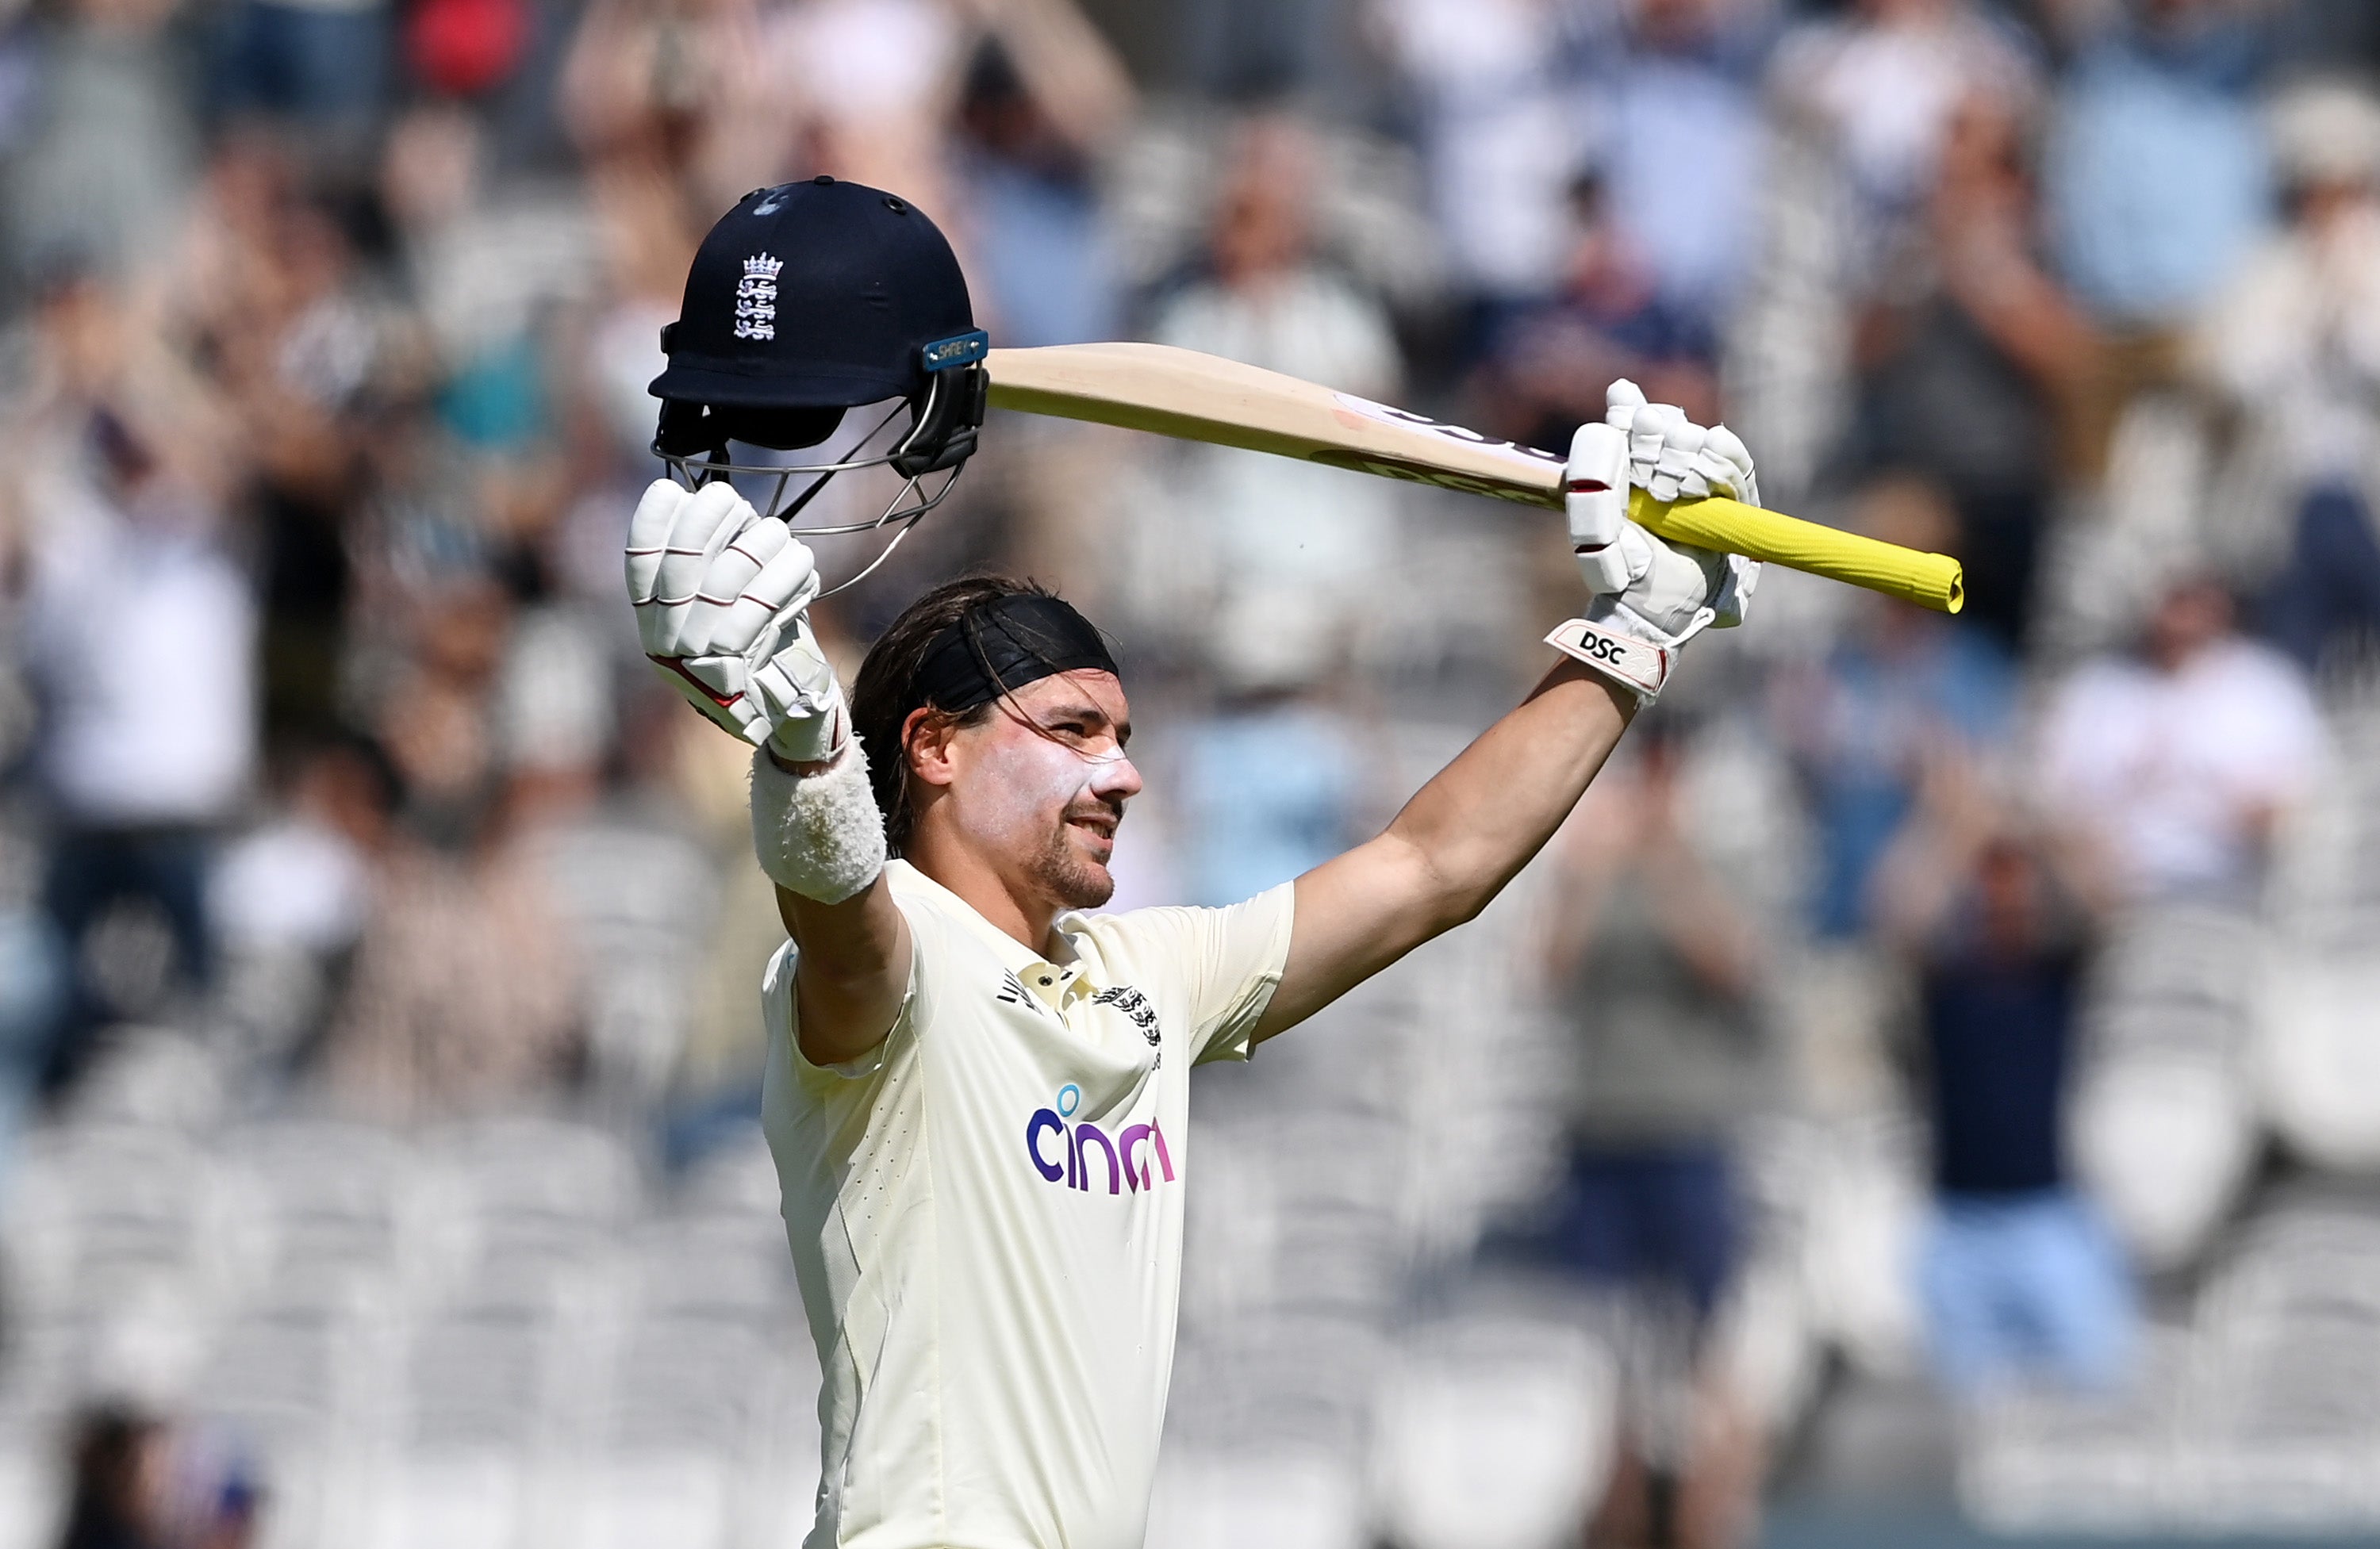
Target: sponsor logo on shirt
column 1076, row 1154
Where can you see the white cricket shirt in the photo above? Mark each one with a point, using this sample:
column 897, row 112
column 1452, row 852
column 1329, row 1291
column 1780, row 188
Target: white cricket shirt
column 986, row 1217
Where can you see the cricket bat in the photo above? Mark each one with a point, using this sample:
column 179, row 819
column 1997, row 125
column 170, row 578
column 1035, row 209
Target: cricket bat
column 1199, row 397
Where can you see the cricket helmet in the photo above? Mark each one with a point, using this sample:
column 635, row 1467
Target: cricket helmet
column 808, row 300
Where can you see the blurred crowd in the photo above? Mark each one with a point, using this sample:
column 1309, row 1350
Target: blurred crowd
column 1966, row 1014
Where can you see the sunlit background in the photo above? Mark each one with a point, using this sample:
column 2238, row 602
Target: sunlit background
column 1931, row 1092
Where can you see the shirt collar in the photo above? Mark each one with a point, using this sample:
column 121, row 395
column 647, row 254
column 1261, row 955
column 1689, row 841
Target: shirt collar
column 1069, row 969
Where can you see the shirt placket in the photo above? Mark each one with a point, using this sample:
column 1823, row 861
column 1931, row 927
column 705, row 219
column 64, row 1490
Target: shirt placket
column 1059, row 987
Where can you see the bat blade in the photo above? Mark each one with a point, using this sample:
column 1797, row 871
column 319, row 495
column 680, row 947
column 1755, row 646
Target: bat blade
column 1190, row 396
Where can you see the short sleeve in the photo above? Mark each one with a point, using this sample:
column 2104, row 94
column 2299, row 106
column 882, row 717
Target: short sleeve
column 1228, row 962
column 782, row 1016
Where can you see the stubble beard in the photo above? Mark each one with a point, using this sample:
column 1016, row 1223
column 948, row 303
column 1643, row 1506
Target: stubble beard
column 1068, row 879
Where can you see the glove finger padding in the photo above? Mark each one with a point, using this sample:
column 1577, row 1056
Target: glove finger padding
column 1673, row 460
column 787, row 584
column 1651, row 431
column 706, row 525
column 1594, row 501
column 706, row 629
column 648, row 531
column 1724, row 468
column 1620, row 402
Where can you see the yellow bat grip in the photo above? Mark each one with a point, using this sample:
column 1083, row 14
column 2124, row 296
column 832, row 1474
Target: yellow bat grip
column 1929, row 580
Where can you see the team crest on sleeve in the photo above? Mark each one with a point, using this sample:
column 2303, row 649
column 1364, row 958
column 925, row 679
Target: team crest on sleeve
column 1133, row 1004
column 756, row 298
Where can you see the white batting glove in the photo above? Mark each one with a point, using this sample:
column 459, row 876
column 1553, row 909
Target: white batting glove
column 1649, row 597
column 1671, row 458
column 722, row 597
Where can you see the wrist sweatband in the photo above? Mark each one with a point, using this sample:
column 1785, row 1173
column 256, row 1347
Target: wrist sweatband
column 1638, row 666
column 818, row 835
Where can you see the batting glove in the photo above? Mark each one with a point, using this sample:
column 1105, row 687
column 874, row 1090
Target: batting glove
column 722, row 597
column 1649, row 597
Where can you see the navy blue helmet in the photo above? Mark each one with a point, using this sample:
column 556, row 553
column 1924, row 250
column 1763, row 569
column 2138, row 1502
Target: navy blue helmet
column 806, row 300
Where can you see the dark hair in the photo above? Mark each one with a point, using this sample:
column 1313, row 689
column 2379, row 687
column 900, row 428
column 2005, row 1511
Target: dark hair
column 886, row 694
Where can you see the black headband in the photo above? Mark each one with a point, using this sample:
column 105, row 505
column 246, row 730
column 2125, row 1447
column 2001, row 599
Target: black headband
column 997, row 648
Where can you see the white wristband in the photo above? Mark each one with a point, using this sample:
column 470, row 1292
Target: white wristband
column 818, row 835
column 1635, row 665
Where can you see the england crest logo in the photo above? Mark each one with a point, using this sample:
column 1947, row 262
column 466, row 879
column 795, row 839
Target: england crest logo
column 756, row 298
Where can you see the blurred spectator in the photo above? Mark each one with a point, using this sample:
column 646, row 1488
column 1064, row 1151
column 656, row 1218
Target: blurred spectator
column 634, row 893
column 1028, row 158
column 2020, row 1277
column 1679, row 147
column 2156, row 184
column 466, row 48
column 1965, row 358
column 2155, row 168
column 1254, row 51
column 463, row 994
column 140, row 1482
column 2294, row 345
column 1900, row 685
column 1547, row 367
column 678, row 93
column 435, row 715
column 2178, row 763
column 1657, row 966
column 299, row 347
column 877, row 79
column 117, row 1489
column 1881, row 86
column 288, row 900
column 322, row 68
column 1861, row 105
column 1268, row 782
column 1288, row 547
column 485, row 272
column 463, row 999
column 1661, row 229
column 104, row 157
column 1497, row 132
column 140, row 635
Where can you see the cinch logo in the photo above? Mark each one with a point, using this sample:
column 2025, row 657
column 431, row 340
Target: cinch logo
column 1066, row 1151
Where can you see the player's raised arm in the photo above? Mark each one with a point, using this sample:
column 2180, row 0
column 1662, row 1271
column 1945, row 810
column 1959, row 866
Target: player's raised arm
column 805, row 301
column 722, row 599
column 1473, row 826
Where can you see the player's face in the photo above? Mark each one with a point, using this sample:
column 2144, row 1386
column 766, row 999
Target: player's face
column 1044, row 782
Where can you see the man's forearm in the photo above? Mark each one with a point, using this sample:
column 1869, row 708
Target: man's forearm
column 1454, row 845
column 1485, row 814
